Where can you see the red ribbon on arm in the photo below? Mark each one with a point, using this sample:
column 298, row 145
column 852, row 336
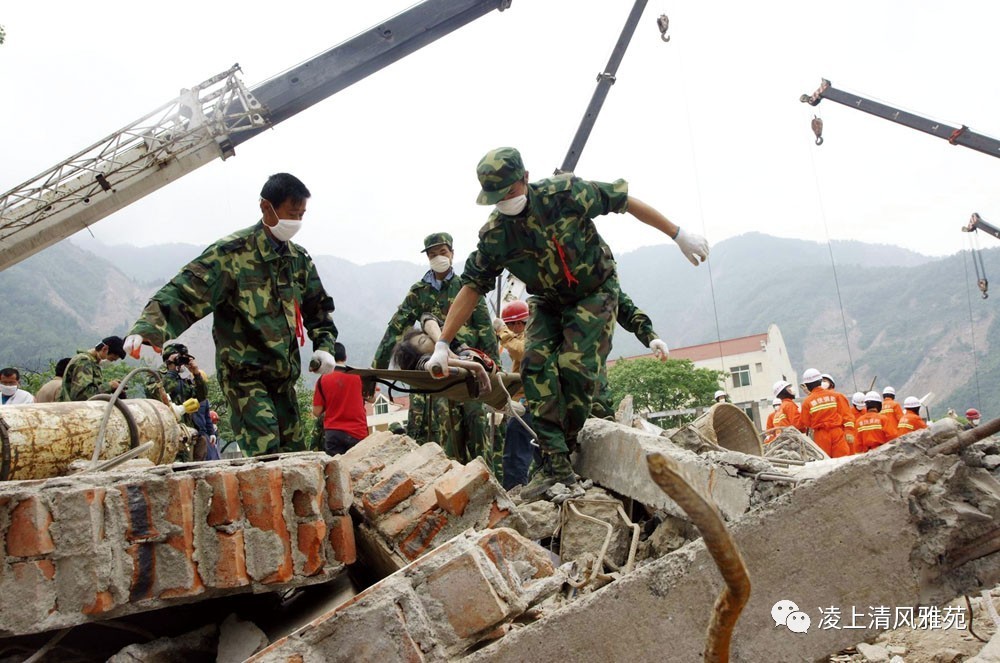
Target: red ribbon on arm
column 300, row 329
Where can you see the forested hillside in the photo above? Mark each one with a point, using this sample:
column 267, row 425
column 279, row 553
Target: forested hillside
column 907, row 316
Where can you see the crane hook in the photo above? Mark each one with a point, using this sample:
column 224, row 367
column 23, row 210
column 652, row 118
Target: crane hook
column 663, row 23
column 817, row 127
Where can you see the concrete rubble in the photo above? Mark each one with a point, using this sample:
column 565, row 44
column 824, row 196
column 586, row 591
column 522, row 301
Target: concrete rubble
column 456, row 568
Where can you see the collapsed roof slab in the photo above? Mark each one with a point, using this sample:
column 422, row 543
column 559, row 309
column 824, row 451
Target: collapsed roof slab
column 888, row 535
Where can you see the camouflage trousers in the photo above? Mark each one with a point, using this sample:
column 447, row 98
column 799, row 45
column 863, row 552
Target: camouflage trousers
column 462, row 429
column 602, row 407
column 565, row 349
column 264, row 415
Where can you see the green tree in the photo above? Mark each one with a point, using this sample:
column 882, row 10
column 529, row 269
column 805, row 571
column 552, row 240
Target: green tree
column 2, row 34
column 674, row 384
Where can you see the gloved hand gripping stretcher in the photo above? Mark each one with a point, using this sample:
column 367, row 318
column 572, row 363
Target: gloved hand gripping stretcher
column 472, row 375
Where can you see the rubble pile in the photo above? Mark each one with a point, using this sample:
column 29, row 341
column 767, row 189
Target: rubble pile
column 102, row 545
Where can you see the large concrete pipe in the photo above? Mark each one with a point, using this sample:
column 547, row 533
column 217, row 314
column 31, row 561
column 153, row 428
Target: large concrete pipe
column 41, row 440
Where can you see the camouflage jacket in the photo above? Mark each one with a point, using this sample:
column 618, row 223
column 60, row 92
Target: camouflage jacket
column 553, row 245
column 253, row 290
column 423, row 298
column 634, row 320
column 178, row 390
column 83, row 378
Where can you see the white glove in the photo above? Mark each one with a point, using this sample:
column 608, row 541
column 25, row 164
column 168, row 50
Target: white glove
column 692, row 246
column 659, row 348
column 437, row 365
column 132, row 345
column 498, row 324
column 325, row 360
column 185, row 373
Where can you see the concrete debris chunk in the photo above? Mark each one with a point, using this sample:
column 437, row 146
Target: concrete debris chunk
column 103, row 545
column 196, row 645
column 873, row 653
column 466, row 591
column 541, row 519
column 238, row 640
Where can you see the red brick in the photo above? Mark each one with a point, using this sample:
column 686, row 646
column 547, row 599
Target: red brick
column 47, row 568
column 310, row 540
column 306, row 504
column 496, row 515
column 225, row 507
column 338, row 486
column 138, row 511
column 231, row 569
column 386, row 494
column 180, row 507
column 32, row 582
column 419, row 540
column 143, row 570
column 454, row 489
column 503, row 548
column 467, row 597
column 103, row 601
column 342, row 540
column 393, row 524
column 28, row 533
column 260, row 492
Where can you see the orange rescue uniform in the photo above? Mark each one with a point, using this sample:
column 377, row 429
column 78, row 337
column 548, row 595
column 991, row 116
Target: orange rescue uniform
column 822, row 412
column 785, row 416
column 847, row 414
column 893, row 409
column 874, row 430
column 910, row 422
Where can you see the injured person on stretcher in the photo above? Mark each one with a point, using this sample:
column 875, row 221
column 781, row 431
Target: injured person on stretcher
column 417, row 345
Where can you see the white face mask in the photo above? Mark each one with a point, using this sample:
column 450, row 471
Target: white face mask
column 8, row 389
column 185, row 373
column 440, row 264
column 285, row 229
column 825, row 384
column 513, row 206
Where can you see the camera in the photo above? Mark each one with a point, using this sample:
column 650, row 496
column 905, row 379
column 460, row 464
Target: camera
column 182, row 359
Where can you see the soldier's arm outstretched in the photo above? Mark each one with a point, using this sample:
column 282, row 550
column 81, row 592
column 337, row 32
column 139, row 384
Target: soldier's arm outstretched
column 694, row 247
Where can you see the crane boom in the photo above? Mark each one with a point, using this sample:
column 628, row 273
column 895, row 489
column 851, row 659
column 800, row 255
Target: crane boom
column 204, row 123
column 955, row 135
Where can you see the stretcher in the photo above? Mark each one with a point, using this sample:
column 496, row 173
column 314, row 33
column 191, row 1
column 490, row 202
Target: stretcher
column 459, row 385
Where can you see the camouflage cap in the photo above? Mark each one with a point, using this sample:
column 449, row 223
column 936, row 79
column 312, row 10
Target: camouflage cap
column 498, row 171
column 437, row 239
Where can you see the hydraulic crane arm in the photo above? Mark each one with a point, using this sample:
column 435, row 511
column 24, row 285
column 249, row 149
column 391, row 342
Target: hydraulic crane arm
column 202, row 124
column 955, row 135
column 976, row 222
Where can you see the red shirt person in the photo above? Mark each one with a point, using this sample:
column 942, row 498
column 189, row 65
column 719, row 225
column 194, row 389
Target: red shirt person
column 338, row 398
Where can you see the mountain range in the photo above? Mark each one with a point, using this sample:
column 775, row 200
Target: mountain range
column 915, row 322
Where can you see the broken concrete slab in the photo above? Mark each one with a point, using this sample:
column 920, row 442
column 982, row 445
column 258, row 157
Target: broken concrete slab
column 414, row 498
column 914, row 537
column 98, row 546
column 614, row 457
column 437, row 607
column 238, row 640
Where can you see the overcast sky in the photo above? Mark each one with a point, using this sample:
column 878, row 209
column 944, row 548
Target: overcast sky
column 708, row 127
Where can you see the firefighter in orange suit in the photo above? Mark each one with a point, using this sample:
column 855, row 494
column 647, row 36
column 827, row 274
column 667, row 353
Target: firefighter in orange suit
column 910, row 421
column 875, row 428
column 770, row 432
column 788, row 415
column 821, row 411
column 846, row 411
column 890, row 406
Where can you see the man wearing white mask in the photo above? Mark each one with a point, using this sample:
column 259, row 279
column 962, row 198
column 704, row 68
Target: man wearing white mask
column 181, row 380
column 266, row 296
column 460, row 428
column 10, row 388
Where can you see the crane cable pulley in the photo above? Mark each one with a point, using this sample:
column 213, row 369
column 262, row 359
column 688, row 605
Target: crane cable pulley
column 977, row 255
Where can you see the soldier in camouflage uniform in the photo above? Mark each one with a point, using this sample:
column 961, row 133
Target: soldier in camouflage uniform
column 461, row 428
column 634, row 320
column 543, row 233
column 265, row 294
column 181, row 380
column 83, row 377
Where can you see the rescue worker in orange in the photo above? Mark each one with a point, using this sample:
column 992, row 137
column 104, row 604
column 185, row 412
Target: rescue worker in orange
column 822, row 412
column 770, row 432
column 911, row 420
column 788, row 415
column 890, row 406
column 858, row 401
column 875, row 428
column 846, row 411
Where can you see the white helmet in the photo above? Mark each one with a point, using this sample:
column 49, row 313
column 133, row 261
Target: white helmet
column 858, row 399
column 873, row 396
column 776, row 402
column 779, row 387
column 811, row 375
column 829, row 378
column 718, row 393
column 911, row 402
column 889, row 391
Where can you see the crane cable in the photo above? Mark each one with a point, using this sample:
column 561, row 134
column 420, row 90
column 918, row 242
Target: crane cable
column 817, row 127
column 972, row 330
column 701, row 208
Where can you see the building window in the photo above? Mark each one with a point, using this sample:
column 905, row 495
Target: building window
column 760, row 367
column 381, row 407
column 741, row 375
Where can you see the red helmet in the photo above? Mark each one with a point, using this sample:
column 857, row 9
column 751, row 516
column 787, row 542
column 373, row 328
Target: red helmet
column 515, row 311
column 972, row 413
column 214, row 416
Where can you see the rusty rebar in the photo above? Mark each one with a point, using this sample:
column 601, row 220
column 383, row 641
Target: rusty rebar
column 669, row 476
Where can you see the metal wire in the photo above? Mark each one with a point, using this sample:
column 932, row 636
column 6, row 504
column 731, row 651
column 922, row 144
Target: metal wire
column 972, row 332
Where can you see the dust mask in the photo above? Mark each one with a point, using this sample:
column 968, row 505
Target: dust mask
column 513, row 206
column 185, row 373
column 285, row 229
column 8, row 389
column 440, row 264
column 825, row 384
